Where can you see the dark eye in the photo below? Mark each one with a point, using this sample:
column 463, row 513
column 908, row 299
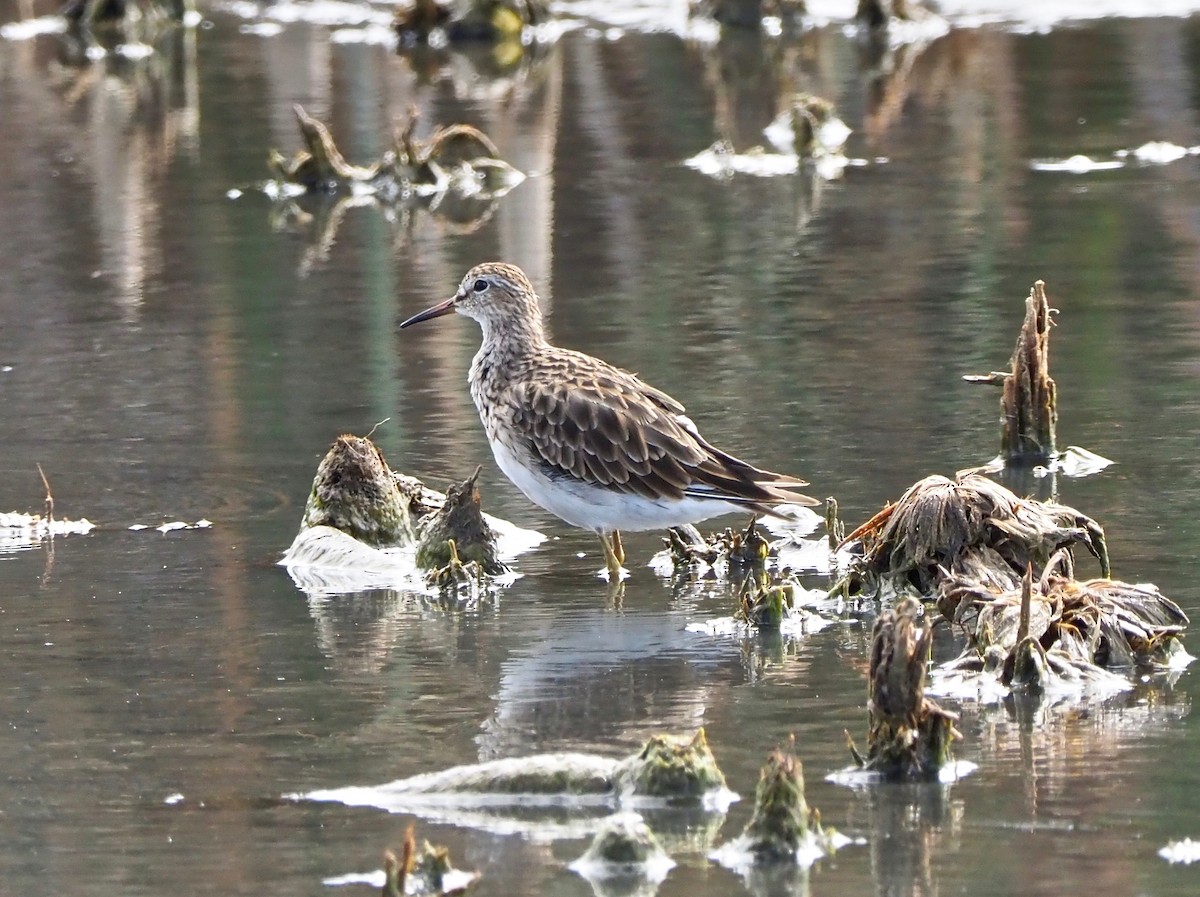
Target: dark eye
column 479, row 286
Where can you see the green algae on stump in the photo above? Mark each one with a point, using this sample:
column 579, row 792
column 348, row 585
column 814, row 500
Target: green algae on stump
column 783, row 823
column 671, row 767
column 624, row 841
column 457, row 532
column 456, row 575
column 355, row 491
column 784, row 832
column 765, row 600
column 666, row 767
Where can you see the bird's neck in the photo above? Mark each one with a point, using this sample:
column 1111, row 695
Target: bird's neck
column 512, row 338
column 507, row 347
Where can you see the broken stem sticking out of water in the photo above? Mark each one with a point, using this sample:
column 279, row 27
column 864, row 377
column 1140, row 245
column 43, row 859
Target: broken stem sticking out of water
column 1029, row 401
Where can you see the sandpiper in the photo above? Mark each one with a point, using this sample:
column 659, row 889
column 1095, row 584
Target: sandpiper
column 589, row 442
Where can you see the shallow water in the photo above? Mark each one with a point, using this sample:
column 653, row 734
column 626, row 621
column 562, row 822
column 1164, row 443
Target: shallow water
column 170, row 353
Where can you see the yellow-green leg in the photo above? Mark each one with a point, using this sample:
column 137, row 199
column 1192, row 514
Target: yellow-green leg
column 614, row 552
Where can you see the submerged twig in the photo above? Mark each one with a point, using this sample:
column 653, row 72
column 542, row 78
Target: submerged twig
column 396, row 871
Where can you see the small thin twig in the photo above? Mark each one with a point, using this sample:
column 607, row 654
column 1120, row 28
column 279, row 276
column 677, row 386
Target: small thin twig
column 49, row 495
column 377, row 426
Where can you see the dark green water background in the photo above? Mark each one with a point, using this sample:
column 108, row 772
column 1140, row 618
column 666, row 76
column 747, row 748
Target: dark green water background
column 167, row 353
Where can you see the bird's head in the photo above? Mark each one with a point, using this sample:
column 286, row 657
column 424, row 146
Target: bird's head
column 495, row 294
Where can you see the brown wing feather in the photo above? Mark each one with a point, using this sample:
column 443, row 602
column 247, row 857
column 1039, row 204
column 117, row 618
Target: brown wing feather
column 602, row 436
column 607, row 426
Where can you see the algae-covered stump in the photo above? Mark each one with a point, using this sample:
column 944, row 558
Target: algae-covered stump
column 667, row 767
column 457, row 532
column 671, row 768
column 355, row 491
column 783, row 822
column 909, row 737
column 766, row 599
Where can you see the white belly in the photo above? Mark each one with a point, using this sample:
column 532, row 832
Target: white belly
column 603, row 510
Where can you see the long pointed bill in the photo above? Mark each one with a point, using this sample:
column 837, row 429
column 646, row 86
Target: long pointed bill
column 436, row 311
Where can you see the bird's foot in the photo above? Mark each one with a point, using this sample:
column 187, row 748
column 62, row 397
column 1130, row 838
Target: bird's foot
column 614, row 557
column 608, row 574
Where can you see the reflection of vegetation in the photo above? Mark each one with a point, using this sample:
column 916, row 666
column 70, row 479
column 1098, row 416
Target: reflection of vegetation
column 127, row 14
column 129, row 88
column 905, row 824
column 130, row 31
column 455, row 173
column 491, row 38
column 147, row 50
column 624, row 840
column 436, row 21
